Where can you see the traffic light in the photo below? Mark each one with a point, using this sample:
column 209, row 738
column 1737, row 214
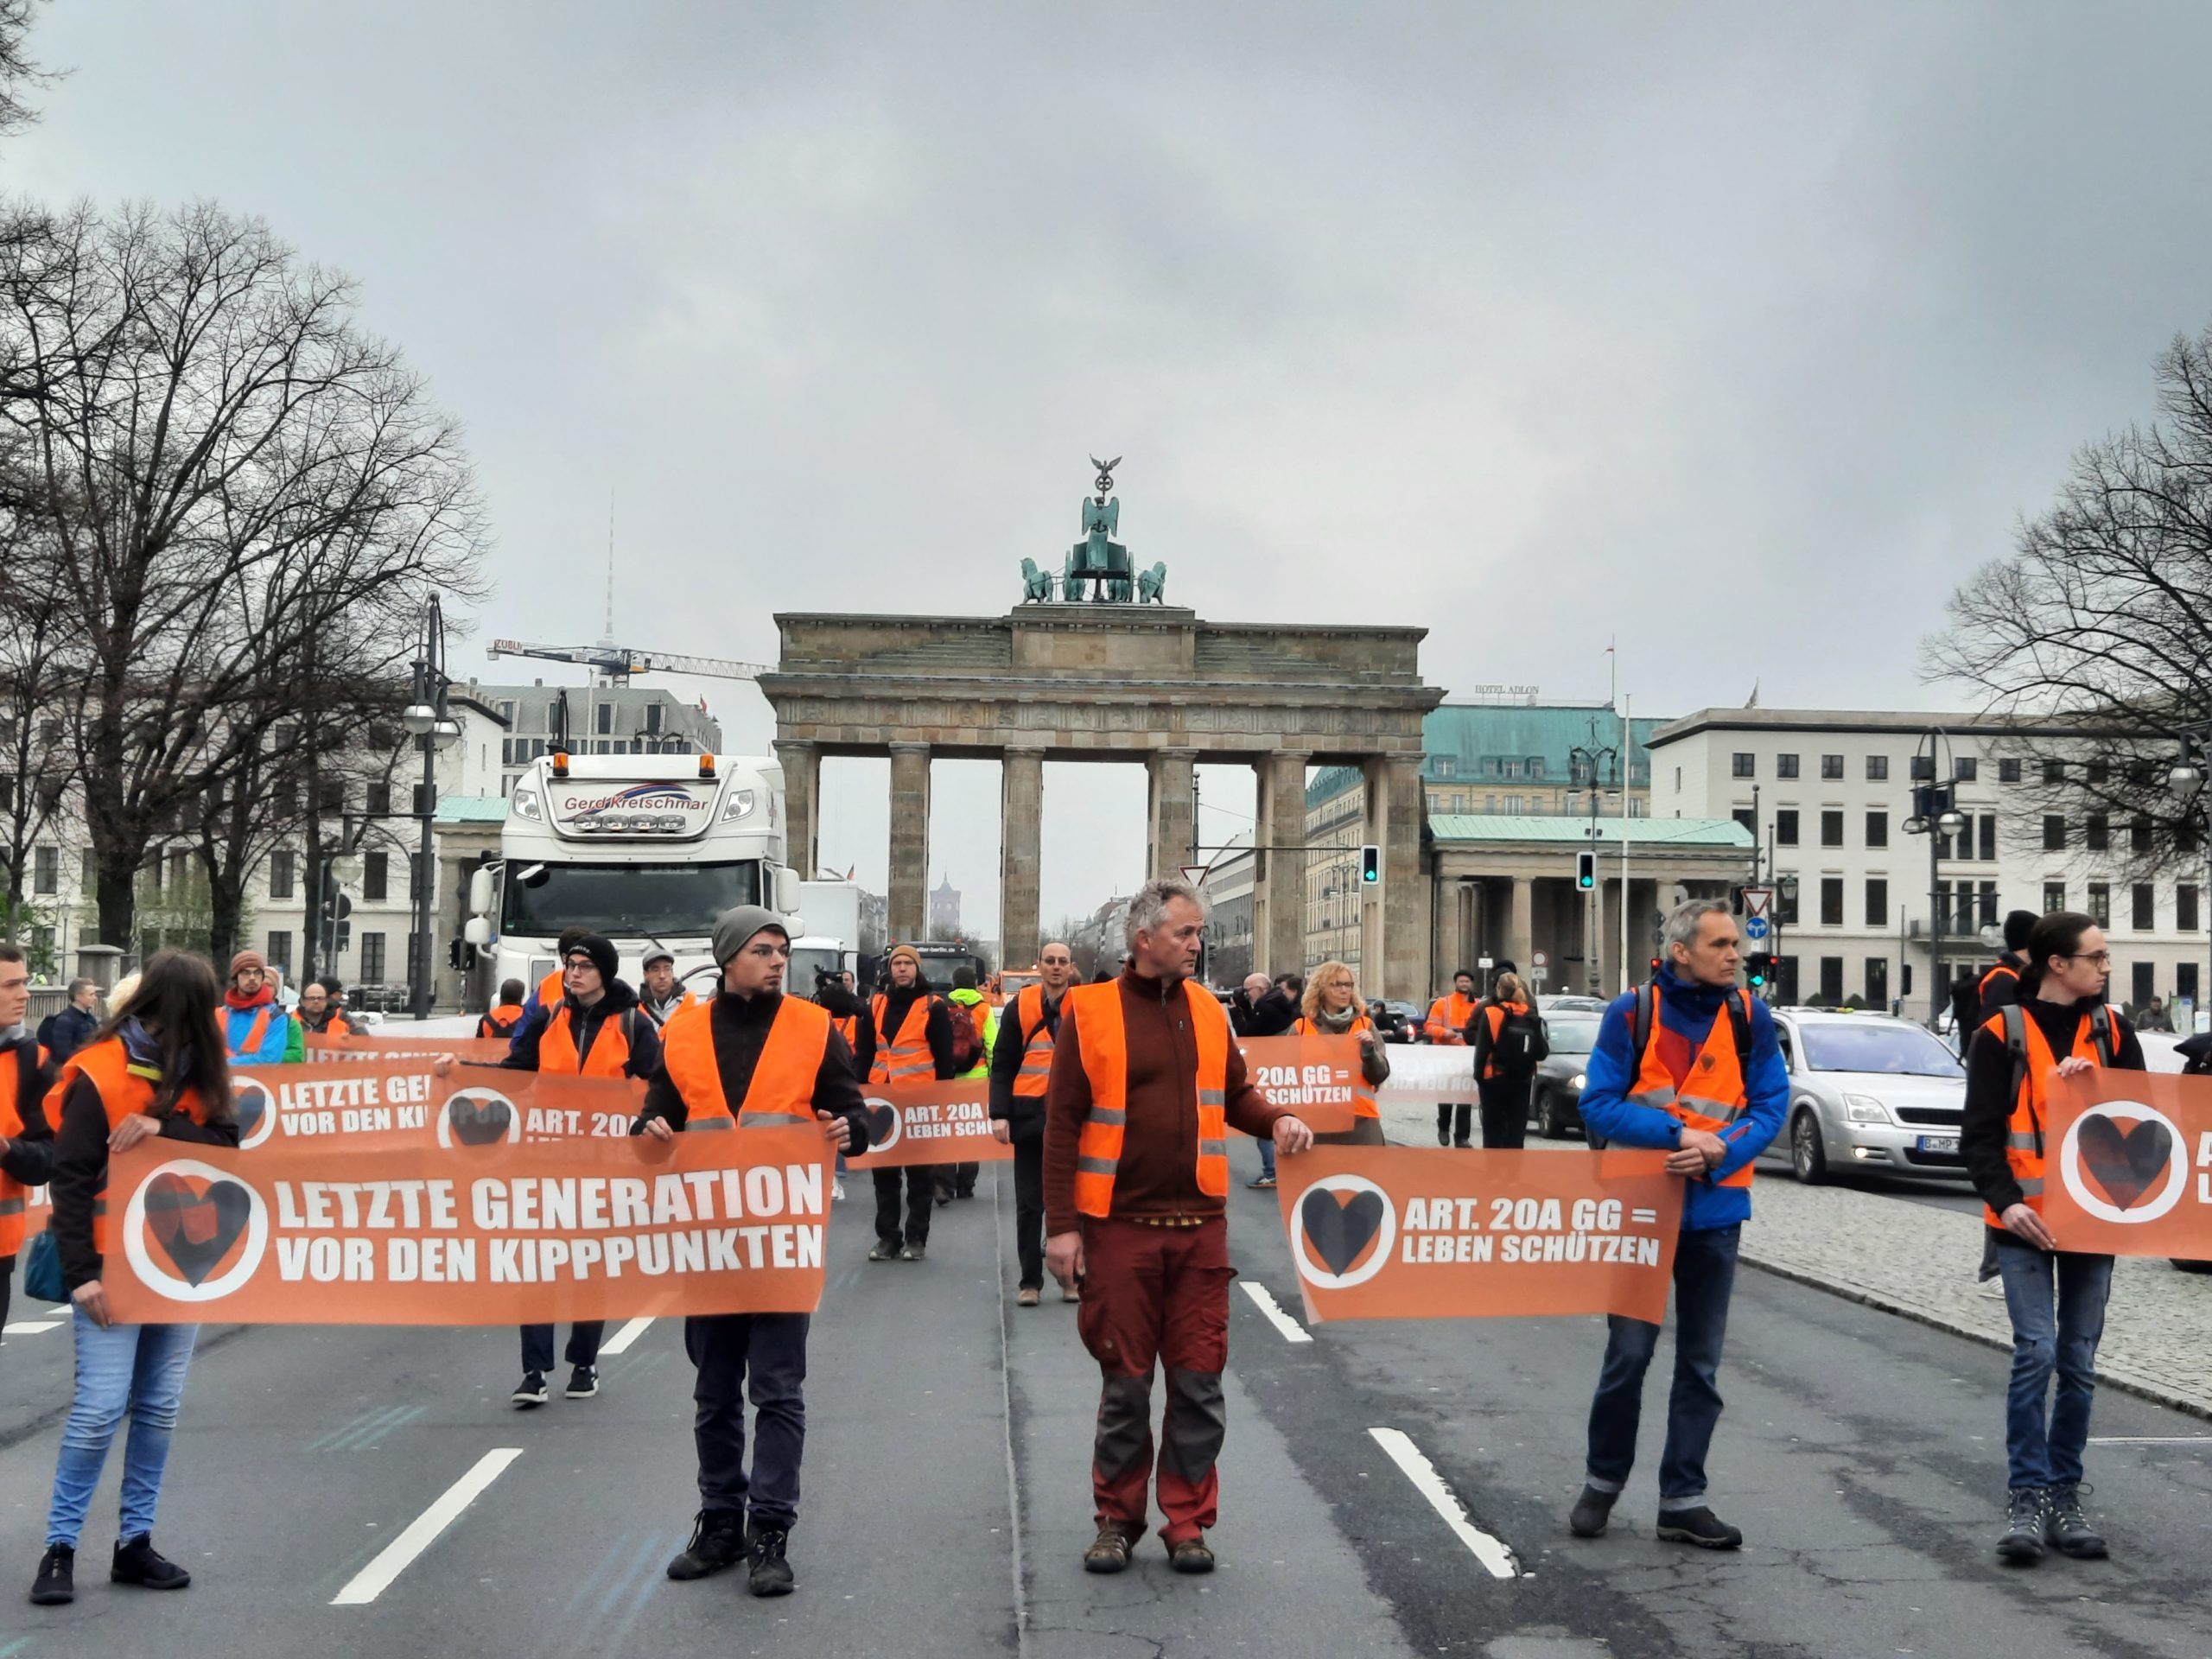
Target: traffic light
column 1655, row 967
column 1371, row 865
column 1758, row 970
column 1585, row 871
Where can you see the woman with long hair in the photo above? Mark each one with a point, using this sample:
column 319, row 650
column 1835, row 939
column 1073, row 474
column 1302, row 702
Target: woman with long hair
column 1333, row 1008
column 2061, row 1026
column 1508, row 1038
column 157, row 1067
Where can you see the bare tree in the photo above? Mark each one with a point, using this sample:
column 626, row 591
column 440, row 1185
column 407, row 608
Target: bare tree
column 19, row 72
column 37, row 683
column 2095, row 636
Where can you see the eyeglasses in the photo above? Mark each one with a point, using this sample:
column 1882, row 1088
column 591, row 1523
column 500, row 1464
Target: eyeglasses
column 2101, row 959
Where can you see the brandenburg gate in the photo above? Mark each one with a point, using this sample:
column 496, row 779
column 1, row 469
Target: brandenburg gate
column 1117, row 674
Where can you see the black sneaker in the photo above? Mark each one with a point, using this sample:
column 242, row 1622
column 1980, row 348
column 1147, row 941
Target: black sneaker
column 583, row 1383
column 56, row 1582
column 717, row 1542
column 2024, row 1511
column 886, row 1249
column 1699, row 1526
column 914, row 1253
column 530, row 1391
column 1444, row 1137
column 136, row 1561
column 771, row 1574
column 2067, row 1527
column 1590, row 1512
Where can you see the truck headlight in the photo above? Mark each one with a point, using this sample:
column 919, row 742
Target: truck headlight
column 526, row 806
column 740, row 804
column 1865, row 1109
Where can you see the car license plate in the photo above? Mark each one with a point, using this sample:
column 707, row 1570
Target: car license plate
column 1939, row 1143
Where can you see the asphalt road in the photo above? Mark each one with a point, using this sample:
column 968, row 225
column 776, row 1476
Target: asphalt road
column 946, row 1494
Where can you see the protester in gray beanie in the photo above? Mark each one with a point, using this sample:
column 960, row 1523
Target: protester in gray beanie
column 733, row 930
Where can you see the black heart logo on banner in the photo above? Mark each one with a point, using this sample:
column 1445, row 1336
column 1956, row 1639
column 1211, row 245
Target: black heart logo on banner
column 196, row 1222
column 2125, row 1163
column 479, row 1120
column 882, row 1119
column 248, row 1105
column 1338, row 1228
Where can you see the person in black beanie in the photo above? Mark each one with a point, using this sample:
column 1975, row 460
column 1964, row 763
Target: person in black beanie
column 1999, row 985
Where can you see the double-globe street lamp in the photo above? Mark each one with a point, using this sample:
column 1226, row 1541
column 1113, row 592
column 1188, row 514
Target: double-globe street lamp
column 1935, row 815
column 430, row 721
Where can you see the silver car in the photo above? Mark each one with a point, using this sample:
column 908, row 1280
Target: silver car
column 1867, row 1092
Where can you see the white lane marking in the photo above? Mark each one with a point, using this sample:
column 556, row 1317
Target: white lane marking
column 2150, row 1440
column 1418, row 1469
column 1291, row 1329
column 621, row 1341
column 30, row 1328
column 396, row 1556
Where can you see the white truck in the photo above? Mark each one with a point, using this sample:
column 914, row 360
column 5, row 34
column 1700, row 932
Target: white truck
column 644, row 850
column 832, row 941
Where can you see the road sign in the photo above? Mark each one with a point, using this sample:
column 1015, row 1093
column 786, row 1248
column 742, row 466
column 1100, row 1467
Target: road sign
column 1485, row 962
column 1195, row 873
column 1539, row 973
column 1757, row 901
column 1756, row 927
column 1540, row 958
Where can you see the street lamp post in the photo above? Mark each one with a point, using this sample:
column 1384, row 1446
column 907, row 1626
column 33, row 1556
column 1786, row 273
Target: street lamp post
column 1934, row 812
column 2192, row 771
column 428, row 720
column 1593, row 908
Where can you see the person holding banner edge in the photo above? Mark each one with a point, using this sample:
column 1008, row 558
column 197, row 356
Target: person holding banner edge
column 2060, row 1026
column 913, row 1040
column 1334, row 1008
column 1688, row 1064
column 751, row 1057
column 1021, row 1064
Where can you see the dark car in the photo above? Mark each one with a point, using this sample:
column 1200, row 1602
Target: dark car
column 1399, row 1022
column 1556, row 1096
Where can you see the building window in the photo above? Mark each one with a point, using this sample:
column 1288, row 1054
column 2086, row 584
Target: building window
column 1877, row 768
column 1878, row 901
column 1988, row 899
column 280, row 951
column 507, row 710
column 1832, row 828
column 1785, row 979
column 2054, row 833
column 1743, row 816
column 379, row 801
column 1832, row 766
column 1442, row 766
column 1989, row 837
column 1536, row 766
column 2143, row 902
column 1877, row 829
column 179, row 868
column 372, row 971
column 2100, row 774
column 1513, row 805
column 1923, row 769
column 1877, row 981
column 2054, row 771
column 652, row 719
column 2097, row 833
column 1512, row 769
column 2100, row 903
column 2144, row 974
column 330, row 793
column 1832, row 979
column 1785, row 826
column 413, row 877
column 2138, row 835
column 1743, row 766
column 1678, row 780
column 2008, row 772
column 1785, row 905
column 46, row 871
column 1966, row 769
column 603, row 715
column 376, row 875
column 2185, row 979
column 281, row 875
column 1785, row 766
column 2054, row 896
column 2186, row 908
column 1831, row 901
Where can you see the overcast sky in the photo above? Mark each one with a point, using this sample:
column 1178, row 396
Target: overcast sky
column 1741, row 332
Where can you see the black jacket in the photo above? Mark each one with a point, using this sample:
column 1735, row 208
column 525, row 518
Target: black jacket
column 1025, row 1115
column 741, row 1030
column 937, row 1032
column 847, row 1005
column 2000, row 991
column 1478, row 1038
column 584, row 1026
column 65, row 1033
column 1272, row 1016
column 30, row 1157
column 1990, row 1093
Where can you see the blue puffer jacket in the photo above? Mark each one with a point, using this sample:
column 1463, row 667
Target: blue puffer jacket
column 1689, row 1010
column 238, row 1026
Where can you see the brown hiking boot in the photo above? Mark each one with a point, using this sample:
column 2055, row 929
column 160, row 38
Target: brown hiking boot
column 1192, row 1555
column 1108, row 1552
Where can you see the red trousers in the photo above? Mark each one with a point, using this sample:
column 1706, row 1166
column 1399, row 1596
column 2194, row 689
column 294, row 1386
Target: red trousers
column 1157, row 1295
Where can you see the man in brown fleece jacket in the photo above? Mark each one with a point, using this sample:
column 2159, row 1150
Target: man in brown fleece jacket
column 1146, row 1081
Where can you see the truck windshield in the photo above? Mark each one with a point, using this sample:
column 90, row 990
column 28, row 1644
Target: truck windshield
column 624, row 901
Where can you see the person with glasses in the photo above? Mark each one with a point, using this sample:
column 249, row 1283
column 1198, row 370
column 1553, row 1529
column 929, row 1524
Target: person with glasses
column 2060, row 1026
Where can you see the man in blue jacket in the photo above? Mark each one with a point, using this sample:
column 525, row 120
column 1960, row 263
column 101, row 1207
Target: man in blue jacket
column 1688, row 1064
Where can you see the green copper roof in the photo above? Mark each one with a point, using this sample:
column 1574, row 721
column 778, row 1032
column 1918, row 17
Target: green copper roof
column 1678, row 832
column 1460, row 739
column 472, row 809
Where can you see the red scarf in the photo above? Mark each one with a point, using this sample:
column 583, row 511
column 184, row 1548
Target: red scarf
column 266, row 994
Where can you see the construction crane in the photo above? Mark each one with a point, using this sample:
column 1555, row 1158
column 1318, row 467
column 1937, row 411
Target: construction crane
column 619, row 662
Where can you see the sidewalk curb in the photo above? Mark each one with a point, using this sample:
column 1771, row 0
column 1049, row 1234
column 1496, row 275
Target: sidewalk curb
column 2150, row 1391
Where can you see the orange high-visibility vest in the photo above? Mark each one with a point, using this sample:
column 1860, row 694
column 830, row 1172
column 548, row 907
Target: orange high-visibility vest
column 2024, row 1150
column 905, row 1057
column 1102, row 1038
column 1981, row 985
column 1714, row 1093
column 1037, row 1046
column 610, row 1050
column 254, row 1033
column 782, row 1090
column 500, row 1021
column 15, row 1196
column 124, row 1089
column 847, row 1026
column 1448, row 1017
column 1497, row 1013
column 1362, row 1092
column 553, row 988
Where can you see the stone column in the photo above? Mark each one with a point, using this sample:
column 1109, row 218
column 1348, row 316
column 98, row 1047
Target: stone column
column 1406, row 896
column 1451, row 936
column 1173, row 774
column 908, row 909
column 1374, row 951
column 1521, row 924
column 802, row 764
column 1021, row 805
column 1282, row 874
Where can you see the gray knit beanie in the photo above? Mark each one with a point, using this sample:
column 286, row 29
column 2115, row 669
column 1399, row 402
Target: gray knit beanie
column 734, row 929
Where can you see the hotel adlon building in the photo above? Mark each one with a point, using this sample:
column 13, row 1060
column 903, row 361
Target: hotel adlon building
column 1830, row 792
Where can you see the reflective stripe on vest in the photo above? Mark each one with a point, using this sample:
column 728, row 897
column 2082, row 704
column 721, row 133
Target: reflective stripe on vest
column 906, row 1057
column 1102, row 1038
column 1037, row 1047
column 781, row 1093
column 1448, row 1019
column 2023, row 1147
column 1362, row 1092
column 610, row 1048
column 124, row 1090
column 1713, row 1094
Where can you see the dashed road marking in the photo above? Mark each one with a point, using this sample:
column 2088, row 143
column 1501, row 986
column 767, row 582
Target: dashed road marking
column 1291, row 1329
column 2151, row 1439
column 1491, row 1552
column 30, row 1328
column 396, row 1556
column 621, row 1341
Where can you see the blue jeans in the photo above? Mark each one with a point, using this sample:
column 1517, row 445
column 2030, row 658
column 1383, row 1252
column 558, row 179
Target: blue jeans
column 1267, row 1156
column 134, row 1370
column 2058, row 1304
column 1704, row 1274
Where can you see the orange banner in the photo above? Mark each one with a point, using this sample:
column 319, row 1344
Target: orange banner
column 2128, row 1165
column 929, row 1123
column 1309, row 1077
column 400, row 1103
column 325, row 1050
column 323, row 1234
column 1402, row 1233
